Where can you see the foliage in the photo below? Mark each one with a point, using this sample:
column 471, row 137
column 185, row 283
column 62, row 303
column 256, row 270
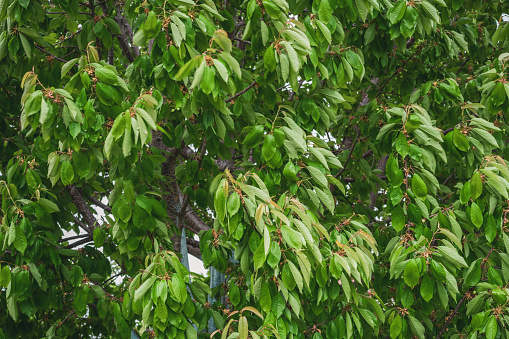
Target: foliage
column 342, row 163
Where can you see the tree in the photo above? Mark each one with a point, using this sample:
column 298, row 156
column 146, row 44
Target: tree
column 342, row 162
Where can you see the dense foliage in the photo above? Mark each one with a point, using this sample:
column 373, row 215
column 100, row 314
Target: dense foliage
column 342, row 162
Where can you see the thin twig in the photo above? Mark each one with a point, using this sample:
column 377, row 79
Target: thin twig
column 350, row 155
column 463, row 64
column 395, row 73
column 63, row 321
column 68, row 13
column 290, row 98
column 49, row 53
column 449, row 178
column 240, row 40
column 113, row 277
column 5, row 90
column 243, row 91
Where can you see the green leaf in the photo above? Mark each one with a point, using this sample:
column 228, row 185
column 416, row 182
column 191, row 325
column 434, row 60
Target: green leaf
column 208, row 81
column 396, row 327
column 402, row 146
column 431, row 11
column 325, row 31
column 460, row 140
column 397, row 12
column 68, row 65
column 384, row 130
column 398, row 219
column 20, row 240
column 324, row 11
column 259, row 256
column 293, row 57
column 485, row 136
column 473, row 275
column 243, row 328
column 416, row 327
column 452, row 256
column 411, row 274
column 265, row 298
column 74, row 111
column 26, row 46
column 318, row 176
column 178, row 287
column 465, row 193
column 48, row 205
column 233, row 203
column 491, row 328
column 66, row 172
column 476, row 215
column 419, row 186
column 221, row 69
column 269, row 147
column 394, row 174
column 254, row 137
column 426, row 288
column 147, row 118
column 198, row 75
column 269, row 59
column 475, row 304
column 476, row 186
column 297, row 276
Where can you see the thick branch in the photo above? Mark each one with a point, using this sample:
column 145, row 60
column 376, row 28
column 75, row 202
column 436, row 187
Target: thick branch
column 82, row 207
column 195, row 251
column 80, row 242
column 199, row 158
column 81, row 224
column 126, row 37
column 125, row 48
column 193, row 222
column 100, row 204
column 74, row 237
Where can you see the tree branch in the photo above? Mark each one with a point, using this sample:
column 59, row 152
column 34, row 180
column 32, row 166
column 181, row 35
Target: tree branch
column 195, row 251
column 81, row 224
column 80, row 242
column 444, row 132
column 451, row 316
column 127, row 36
column 244, row 90
column 82, row 207
column 100, row 204
column 290, row 98
column 74, row 237
column 199, row 158
column 463, row 64
column 65, row 319
column 68, row 13
column 51, row 54
column 194, row 222
column 350, row 155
